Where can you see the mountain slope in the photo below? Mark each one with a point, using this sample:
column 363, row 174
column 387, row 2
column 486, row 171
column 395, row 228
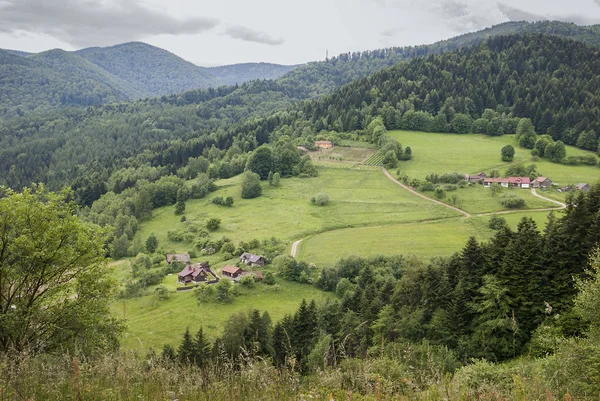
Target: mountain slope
column 240, row 73
column 53, row 79
column 320, row 78
column 155, row 71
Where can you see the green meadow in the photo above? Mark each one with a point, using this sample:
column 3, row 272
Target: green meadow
column 358, row 197
column 472, row 153
column 426, row 239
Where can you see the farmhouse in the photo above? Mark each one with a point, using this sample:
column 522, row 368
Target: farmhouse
column 178, row 257
column 512, row 182
column 541, row 182
column 324, row 144
column 583, row 187
column 231, row 271
column 197, row 273
column 475, row 178
column 252, row 260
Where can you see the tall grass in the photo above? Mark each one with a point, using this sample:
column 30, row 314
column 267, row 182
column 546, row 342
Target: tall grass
column 403, row 373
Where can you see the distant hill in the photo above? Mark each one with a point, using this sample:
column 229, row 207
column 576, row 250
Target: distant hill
column 137, row 70
column 319, row 78
column 153, row 70
column 240, row 73
column 94, row 76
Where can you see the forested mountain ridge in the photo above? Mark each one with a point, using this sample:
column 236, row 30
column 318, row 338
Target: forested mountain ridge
column 553, row 81
column 137, row 70
column 155, row 71
column 95, row 76
column 319, row 78
column 53, row 79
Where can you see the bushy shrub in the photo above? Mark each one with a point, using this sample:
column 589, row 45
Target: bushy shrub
column 269, row 279
column 440, row 193
column 213, row 224
column 496, row 222
column 248, row 281
column 320, row 199
column 512, row 201
column 229, row 201
column 218, row 200
column 175, row 235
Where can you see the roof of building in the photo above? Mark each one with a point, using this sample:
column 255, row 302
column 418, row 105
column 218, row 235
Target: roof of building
column 194, row 270
column 541, row 179
column 581, row 185
column 250, row 257
column 519, row 180
column 179, row 257
column 230, row 269
column 323, row 143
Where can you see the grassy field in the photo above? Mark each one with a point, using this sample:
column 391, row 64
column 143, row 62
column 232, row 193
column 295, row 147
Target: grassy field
column 359, row 197
column 439, row 238
column 472, row 153
column 477, row 199
column 152, row 323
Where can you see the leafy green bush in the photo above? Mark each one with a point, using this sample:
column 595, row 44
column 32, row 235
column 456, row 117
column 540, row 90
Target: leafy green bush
column 213, row 224
column 175, row 235
column 320, row 199
column 496, row 222
column 512, row 201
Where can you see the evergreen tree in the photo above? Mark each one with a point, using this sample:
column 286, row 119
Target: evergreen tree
column 187, row 350
column 202, row 349
column 521, row 272
column 151, row 243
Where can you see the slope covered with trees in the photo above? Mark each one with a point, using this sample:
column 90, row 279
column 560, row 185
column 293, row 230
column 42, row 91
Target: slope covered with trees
column 553, row 81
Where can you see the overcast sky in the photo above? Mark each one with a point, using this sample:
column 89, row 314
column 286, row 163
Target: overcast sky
column 280, row 31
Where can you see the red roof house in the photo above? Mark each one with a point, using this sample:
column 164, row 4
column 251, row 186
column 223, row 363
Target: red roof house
column 231, row 271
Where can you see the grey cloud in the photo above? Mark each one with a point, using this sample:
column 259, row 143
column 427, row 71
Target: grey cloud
column 251, row 35
column 454, row 9
column 516, row 14
column 93, row 23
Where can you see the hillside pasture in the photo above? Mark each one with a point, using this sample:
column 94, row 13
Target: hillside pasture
column 472, row 153
column 358, row 197
column 151, row 323
column 425, row 239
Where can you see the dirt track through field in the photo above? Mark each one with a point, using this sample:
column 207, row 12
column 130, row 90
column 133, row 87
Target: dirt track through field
column 464, row 213
column 409, row 189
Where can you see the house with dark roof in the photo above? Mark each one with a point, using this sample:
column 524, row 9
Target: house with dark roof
column 541, row 182
column 475, row 178
column 583, row 187
column 178, row 257
column 198, row 273
column 252, row 260
column 231, row 271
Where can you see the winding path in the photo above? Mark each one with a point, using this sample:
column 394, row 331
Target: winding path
column 464, row 213
column 409, row 189
column 295, row 248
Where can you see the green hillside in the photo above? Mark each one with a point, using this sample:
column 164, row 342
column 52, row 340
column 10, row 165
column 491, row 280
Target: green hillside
column 155, row 71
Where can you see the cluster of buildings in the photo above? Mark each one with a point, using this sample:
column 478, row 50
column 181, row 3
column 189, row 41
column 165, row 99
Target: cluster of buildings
column 202, row 273
column 522, row 182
